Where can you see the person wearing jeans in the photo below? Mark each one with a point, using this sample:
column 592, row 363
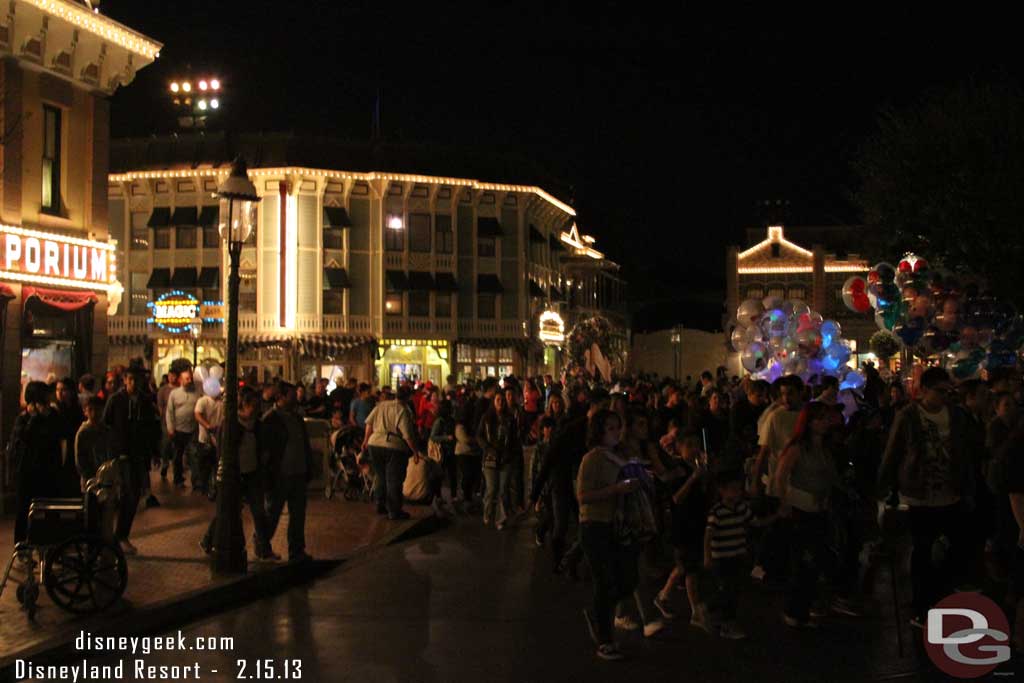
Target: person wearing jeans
column 181, row 421
column 291, row 468
column 499, row 436
column 131, row 418
column 391, row 439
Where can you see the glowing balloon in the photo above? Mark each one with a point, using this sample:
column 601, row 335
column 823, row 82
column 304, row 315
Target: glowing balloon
column 216, row 372
column 211, row 387
column 853, row 380
column 830, row 331
column 749, row 312
column 754, row 358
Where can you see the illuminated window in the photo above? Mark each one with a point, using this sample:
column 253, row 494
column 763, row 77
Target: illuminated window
column 443, row 234
column 797, row 293
column 777, row 291
column 485, row 247
column 247, row 291
column 419, row 234
column 139, row 294
column 755, row 293
column 51, row 159
column 485, row 306
column 393, row 304
column 140, row 230
column 442, row 305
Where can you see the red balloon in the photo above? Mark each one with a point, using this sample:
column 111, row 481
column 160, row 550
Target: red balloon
column 855, row 295
column 873, row 276
column 905, row 267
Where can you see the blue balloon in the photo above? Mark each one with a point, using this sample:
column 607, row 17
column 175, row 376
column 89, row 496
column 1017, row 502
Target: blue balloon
column 853, row 380
column 830, row 332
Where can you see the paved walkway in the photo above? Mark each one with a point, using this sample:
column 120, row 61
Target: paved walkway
column 171, row 565
column 473, row 604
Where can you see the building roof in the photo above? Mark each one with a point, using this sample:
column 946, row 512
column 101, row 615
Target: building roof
column 777, row 254
column 212, row 153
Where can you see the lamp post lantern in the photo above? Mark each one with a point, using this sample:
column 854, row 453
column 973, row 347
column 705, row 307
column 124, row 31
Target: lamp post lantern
column 238, row 202
column 196, row 328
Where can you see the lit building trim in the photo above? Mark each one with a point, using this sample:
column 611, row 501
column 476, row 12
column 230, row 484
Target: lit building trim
column 99, row 25
column 775, row 236
column 346, row 175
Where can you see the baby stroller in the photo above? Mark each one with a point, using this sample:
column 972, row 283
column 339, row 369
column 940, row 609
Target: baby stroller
column 344, row 465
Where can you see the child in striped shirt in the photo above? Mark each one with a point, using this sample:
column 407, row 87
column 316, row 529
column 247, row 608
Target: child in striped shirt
column 725, row 548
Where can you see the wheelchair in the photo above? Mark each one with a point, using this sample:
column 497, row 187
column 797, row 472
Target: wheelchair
column 66, row 551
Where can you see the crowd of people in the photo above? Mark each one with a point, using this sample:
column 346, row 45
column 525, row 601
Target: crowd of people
column 741, row 480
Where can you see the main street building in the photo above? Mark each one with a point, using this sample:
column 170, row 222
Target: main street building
column 352, row 272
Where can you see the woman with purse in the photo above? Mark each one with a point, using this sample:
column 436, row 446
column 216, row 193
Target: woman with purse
column 499, row 437
column 805, row 477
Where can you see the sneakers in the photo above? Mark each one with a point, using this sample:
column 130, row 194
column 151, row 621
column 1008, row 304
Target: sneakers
column 700, row 620
column 661, row 602
column 127, row 548
column 591, row 626
column 730, row 631
column 609, row 652
column 626, row 623
column 758, row 573
column 796, row 623
column 653, row 628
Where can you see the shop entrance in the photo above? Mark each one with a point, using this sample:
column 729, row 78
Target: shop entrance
column 56, row 335
column 414, row 362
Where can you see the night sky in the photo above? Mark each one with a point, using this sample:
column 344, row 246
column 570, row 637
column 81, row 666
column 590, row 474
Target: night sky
column 663, row 131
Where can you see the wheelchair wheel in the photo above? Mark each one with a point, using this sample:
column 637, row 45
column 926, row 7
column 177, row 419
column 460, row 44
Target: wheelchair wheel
column 85, row 574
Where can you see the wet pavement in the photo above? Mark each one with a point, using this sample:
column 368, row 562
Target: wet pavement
column 472, row 604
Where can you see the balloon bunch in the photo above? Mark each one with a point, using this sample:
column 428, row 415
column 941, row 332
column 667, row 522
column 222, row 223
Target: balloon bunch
column 210, row 379
column 933, row 315
column 776, row 338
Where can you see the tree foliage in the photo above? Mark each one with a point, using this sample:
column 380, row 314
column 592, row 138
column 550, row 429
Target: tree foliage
column 944, row 179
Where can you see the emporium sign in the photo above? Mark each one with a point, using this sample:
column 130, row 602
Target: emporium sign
column 48, row 258
column 175, row 311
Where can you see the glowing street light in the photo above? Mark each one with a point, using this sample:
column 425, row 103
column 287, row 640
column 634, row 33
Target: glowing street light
column 203, row 85
column 175, row 87
column 214, row 103
column 202, row 105
column 395, row 223
column 186, row 86
column 214, row 84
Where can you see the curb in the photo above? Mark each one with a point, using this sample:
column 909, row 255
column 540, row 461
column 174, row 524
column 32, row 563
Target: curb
column 197, row 604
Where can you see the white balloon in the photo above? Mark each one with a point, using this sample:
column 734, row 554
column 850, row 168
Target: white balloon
column 199, row 374
column 216, row 372
column 211, row 387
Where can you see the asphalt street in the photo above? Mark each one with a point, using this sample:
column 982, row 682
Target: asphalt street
column 473, row 604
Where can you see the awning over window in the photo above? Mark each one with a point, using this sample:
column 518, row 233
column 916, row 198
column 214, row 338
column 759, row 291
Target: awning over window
column 59, row 298
column 209, row 217
column 185, row 215
column 487, row 283
column 209, row 278
column 336, row 278
column 184, row 277
column 535, row 236
column 160, row 218
column 536, row 290
column 160, row 278
column 336, row 217
column 420, row 280
column 396, row 281
column 488, row 227
column 445, row 282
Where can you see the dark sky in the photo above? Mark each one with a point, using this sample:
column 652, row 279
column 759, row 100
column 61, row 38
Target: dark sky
column 668, row 129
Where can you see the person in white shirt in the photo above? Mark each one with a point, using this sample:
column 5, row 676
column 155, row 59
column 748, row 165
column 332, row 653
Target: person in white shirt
column 391, row 439
column 181, row 421
column 209, row 414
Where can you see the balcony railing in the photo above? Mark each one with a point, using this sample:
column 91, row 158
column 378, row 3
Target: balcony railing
column 492, row 328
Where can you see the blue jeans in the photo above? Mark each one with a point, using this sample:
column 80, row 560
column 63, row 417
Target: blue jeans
column 495, row 494
column 615, row 573
column 389, row 466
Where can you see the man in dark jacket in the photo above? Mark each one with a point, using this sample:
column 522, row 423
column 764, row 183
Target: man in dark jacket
column 927, row 460
column 290, row 468
column 131, row 417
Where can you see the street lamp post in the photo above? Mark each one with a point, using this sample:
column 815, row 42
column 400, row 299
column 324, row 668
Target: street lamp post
column 676, row 340
column 238, row 201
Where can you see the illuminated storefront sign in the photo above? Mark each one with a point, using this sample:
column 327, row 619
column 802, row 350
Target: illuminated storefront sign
column 174, row 311
column 552, row 328
column 48, row 258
